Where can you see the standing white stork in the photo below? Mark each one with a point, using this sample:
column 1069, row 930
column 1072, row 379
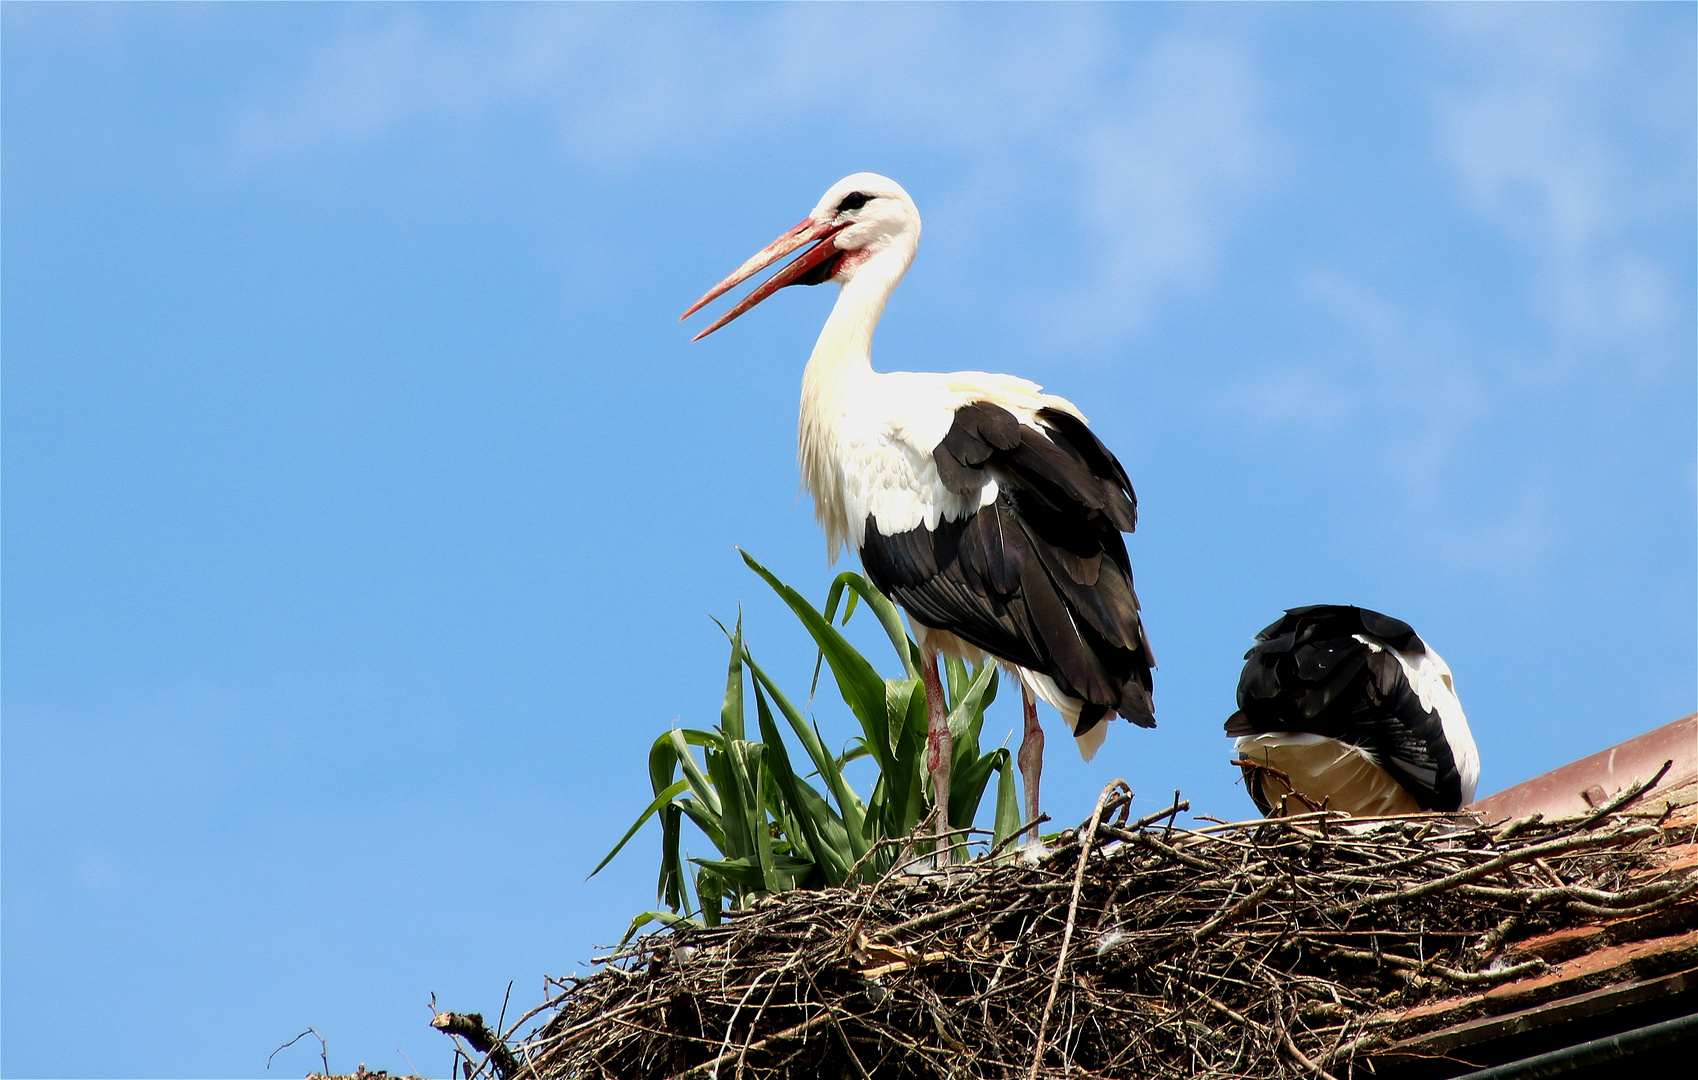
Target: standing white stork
column 1356, row 711
column 984, row 507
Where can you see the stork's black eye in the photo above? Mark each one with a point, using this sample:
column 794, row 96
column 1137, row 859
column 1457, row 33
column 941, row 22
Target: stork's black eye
column 854, row 201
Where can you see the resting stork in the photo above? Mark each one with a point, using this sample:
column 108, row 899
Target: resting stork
column 984, row 507
column 1356, row 711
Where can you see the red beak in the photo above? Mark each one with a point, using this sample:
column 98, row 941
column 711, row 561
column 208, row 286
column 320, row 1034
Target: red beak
column 807, row 232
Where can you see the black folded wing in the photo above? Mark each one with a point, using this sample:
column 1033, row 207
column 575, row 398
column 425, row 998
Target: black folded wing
column 1040, row 577
column 1308, row 672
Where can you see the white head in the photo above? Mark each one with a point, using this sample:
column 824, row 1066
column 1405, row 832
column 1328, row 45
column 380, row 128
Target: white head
column 863, row 219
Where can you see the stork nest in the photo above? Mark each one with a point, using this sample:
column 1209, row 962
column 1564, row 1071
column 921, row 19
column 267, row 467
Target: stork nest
column 1294, row 947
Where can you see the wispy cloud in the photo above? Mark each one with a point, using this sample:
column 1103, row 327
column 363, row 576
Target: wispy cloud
column 1541, row 130
column 1150, row 147
column 1164, row 176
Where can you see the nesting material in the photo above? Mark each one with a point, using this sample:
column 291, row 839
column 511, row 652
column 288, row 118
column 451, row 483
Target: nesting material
column 1303, row 947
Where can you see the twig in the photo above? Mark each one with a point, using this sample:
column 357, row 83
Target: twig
column 1147, row 840
column 471, row 1027
column 1632, row 794
column 1256, row 896
column 1179, row 807
column 1258, row 767
column 323, row 1048
column 921, row 922
column 1232, row 948
column 1072, row 913
column 1303, row 1059
column 788, row 1033
column 502, row 1017
column 1475, row 872
column 1017, row 834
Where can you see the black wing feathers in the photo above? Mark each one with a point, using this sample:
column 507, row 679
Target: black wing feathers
column 1309, row 673
column 1040, row 577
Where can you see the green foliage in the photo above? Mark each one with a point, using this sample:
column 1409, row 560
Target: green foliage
column 773, row 829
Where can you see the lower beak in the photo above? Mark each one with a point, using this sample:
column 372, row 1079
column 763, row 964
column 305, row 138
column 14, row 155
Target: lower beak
column 809, row 231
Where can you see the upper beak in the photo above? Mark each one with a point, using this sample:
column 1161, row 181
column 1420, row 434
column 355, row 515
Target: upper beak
column 806, row 232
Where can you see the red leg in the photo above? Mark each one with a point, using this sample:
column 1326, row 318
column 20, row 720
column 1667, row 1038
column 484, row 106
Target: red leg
column 1031, row 760
column 939, row 750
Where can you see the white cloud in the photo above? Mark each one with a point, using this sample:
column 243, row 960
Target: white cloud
column 1542, row 132
column 1151, row 148
column 1395, row 380
column 1165, row 176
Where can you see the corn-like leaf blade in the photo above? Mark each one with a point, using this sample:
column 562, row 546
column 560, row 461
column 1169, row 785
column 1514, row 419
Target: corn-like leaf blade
column 660, row 800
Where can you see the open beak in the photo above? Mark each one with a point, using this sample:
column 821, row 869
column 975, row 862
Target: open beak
column 809, row 231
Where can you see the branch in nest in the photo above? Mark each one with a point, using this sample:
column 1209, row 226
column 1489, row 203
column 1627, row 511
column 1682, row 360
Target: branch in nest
column 471, row 1027
column 1257, row 769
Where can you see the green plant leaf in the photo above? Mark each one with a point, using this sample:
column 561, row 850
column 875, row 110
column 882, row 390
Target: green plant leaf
column 731, row 712
column 734, row 818
column 660, row 800
column 665, row 918
column 849, row 806
column 967, row 716
column 663, row 764
column 745, row 872
column 1007, row 818
column 855, row 751
column 882, row 607
column 904, row 799
column 860, row 684
column 705, row 820
column 671, row 887
column 789, row 789
column 700, row 787
column 770, row 828
column 710, row 891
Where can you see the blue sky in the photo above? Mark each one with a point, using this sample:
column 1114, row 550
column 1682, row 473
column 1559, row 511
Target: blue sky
column 365, row 505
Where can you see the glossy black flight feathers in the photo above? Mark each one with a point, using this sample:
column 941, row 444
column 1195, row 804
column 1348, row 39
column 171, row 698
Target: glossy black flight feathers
column 1040, row 577
column 1310, row 673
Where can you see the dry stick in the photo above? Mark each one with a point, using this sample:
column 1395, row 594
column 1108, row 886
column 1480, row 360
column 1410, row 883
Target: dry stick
column 731, row 1025
column 1449, row 974
column 777, row 980
column 1462, row 877
column 1508, row 830
column 1335, row 815
column 1666, row 901
column 547, row 1003
column 1632, row 794
column 818, row 1020
column 323, row 1048
column 471, row 1027
column 849, row 1048
column 930, row 856
column 1183, row 902
column 1150, row 819
column 1147, row 840
column 1349, row 1049
column 866, row 905
column 755, row 1022
column 1278, row 774
column 1496, row 936
column 1015, row 835
column 1256, row 896
column 894, row 841
column 1303, row 1059
column 1072, row 913
column 502, row 1017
